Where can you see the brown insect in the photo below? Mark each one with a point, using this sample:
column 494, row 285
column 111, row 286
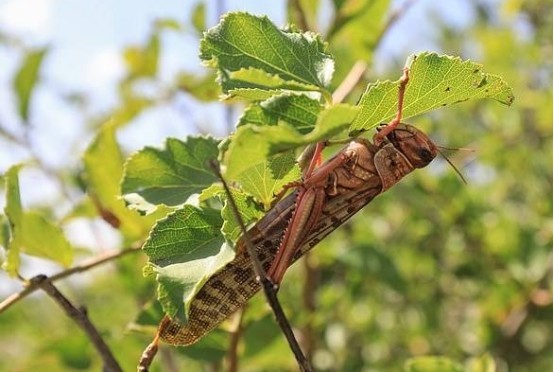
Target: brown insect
column 364, row 171
column 327, row 197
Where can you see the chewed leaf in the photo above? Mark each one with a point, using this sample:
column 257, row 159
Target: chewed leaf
column 171, row 175
column 242, row 41
column 253, row 145
column 185, row 249
column 435, row 81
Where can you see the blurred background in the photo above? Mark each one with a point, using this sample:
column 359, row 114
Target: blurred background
column 433, row 267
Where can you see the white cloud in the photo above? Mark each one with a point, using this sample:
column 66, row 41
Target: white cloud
column 27, row 16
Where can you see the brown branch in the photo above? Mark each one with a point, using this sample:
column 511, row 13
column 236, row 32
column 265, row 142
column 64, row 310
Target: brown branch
column 87, row 265
column 270, row 289
column 151, row 350
column 80, row 317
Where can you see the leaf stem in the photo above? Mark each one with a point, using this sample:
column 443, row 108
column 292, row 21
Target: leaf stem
column 352, row 79
column 327, row 97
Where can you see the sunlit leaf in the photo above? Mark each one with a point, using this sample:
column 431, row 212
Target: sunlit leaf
column 484, row 363
column 249, row 213
column 435, row 81
column 245, row 42
column 169, row 24
column 185, row 249
column 252, row 144
column 298, row 110
column 143, row 60
column 103, row 171
column 26, row 79
column 198, row 17
column 266, row 179
column 30, row 232
column 354, row 34
column 203, row 88
column 253, row 94
column 308, row 9
column 170, row 176
column 432, row 364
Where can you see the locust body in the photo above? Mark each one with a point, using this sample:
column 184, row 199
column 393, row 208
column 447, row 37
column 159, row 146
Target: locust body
column 357, row 174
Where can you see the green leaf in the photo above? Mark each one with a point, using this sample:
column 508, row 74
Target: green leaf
column 242, row 41
column 170, row 176
column 307, row 9
column 4, row 232
column 210, row 349
column 356, row 31
column 432, row 364
column 41, row 238
column 298, row 110
column 168, row 24
column 185, row 249
column 26, row 79
column 266, row 179
column 103, row 165
column 484, row 363
column 435, row 81
column 198, row 17
column 13, row 208
column 143, row 61
column 30, row 232
column 253, row 78
column 253, row 94
column 253, row 144
column 148, row 319
column 204, row 88
column 248, row 210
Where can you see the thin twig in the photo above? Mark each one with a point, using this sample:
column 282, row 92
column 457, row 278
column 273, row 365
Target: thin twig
column 32, row 286
column 300, row 15
column 308, row 300
column 152, row 349
column 270, row 289
column 80, row 317
column 232, row 354
column 354, row 76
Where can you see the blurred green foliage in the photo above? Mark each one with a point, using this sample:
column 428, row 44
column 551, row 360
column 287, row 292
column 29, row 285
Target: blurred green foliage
column 432, row 267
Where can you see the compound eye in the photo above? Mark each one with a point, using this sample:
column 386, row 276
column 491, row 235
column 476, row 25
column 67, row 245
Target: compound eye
column 425, row 154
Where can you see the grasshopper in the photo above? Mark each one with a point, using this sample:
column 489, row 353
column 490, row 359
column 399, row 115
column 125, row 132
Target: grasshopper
column 327, row 197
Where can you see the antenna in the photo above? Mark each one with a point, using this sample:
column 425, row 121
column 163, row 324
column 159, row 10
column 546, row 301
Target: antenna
column 450, row 162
